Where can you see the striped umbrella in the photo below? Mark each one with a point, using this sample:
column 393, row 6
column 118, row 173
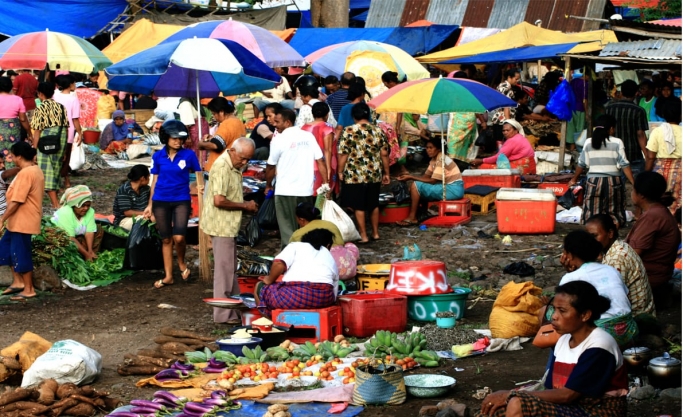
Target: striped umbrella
column 36, row 50
column 439, row 96
column 368, row 59
column 268, row 47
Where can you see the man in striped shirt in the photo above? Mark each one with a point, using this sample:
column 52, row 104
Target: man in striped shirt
column 339, row 98
column 631, row 125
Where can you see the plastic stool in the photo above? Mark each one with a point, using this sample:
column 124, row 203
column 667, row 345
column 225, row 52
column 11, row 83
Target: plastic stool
column 451, row 213
column 327, row 322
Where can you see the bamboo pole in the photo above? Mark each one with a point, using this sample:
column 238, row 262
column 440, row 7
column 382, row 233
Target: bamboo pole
column 563, row 132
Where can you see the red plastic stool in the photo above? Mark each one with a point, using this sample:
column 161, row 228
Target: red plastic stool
column 311, row 325
column 451, row 213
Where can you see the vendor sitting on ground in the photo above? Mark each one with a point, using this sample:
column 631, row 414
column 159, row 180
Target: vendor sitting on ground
column 77, row 219
column 580, row 259
column 429, row 187
column 344, row 255
column 132, row 197
column 586, row 372
column 516, row 148
column 310, row 275
column 114, row 137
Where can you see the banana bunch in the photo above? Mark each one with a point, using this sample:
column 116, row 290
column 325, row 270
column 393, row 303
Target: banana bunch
column 277, row 354
column 227, row 357
column 331, row 350
column 256, row 355
column 305, row 351
column 427, row 358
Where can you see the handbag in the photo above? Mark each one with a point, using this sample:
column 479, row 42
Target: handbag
column 546, row 336
column 50, row 144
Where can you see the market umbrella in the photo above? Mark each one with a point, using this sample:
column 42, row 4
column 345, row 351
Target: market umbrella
column 439, row 96
column 268, row 47
column 368, row 59
column 36, row 50
column 201, row 67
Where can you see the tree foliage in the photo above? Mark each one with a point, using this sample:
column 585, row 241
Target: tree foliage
column 663, row 9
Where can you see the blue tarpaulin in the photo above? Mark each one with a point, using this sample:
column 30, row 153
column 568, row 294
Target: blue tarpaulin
column 417, row 40
column 254, row 409
column 82, row 18
column 525, row 53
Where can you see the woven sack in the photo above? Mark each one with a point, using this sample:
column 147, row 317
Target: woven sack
column 387, row 387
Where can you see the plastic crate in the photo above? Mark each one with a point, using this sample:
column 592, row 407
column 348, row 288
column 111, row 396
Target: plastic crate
column 311, row 325
column 558, row 188
column 364, row 314
column 501, row 178
column 525, row 211
column 393, row 213
column 247, row 284
column 370, row 283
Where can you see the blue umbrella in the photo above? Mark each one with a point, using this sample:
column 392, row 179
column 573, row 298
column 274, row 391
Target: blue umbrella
column 205, row 67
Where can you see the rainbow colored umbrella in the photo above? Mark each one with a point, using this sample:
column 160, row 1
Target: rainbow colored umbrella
column 268, row 47
column 36, row 50
column 439, row 96
column 368, row 59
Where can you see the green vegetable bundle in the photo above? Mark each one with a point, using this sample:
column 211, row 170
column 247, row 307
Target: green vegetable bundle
column 401, row 346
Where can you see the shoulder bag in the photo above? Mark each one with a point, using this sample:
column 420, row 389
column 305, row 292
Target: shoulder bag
column 52, row 144
column 546, row 336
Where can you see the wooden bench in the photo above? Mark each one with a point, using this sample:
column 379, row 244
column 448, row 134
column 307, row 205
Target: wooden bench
column 482, row 204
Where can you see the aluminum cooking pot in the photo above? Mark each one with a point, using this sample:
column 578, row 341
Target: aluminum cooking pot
column 636, row 357
column 664, row 372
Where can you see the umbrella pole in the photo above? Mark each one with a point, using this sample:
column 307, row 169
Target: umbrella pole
column 443, row 162
column 204, row 262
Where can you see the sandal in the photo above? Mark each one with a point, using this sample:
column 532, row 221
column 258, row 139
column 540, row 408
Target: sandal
column 406, row 223
column 185, row 275
column 162, row 284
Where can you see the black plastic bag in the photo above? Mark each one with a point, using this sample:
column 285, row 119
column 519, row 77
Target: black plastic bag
column 401, row 192
column 522, row 269
column 251, row 235
column 143, row 248
column 567, row 199
column 267, row 220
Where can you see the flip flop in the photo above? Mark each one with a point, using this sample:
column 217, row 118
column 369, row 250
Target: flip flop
column 185, row 275
column 406, row 223
column 12, row 290
column 22, row 297
column 162, row 284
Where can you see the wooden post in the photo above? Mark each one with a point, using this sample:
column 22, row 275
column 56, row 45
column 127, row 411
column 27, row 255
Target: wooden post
column 316, row 11
column 334, row 14
column 589, row 99
column 204, row 260
column 563, row 132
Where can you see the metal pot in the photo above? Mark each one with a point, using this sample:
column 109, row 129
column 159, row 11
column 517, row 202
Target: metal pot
column 637, row 357
column 664, row 372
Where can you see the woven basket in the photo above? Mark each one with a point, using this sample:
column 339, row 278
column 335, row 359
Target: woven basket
column 387, row 387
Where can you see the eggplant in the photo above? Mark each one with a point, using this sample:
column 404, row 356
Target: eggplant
column 168, row 397
column 182, row 366
column 171, row 375
column 198, row 408
column 123, row 414
column 216, row 402
column 219, row 394
column 215, row 363
column 210, row 370
column 148, row 404
column 144, row 411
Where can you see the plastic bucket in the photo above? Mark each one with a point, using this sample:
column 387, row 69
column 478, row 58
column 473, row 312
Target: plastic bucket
column 424, row 308
column 91, row 137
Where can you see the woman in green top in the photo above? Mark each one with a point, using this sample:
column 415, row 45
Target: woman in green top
column 77, row 219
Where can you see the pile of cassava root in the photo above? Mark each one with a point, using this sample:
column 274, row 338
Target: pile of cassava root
column 51, row 399
column 170, row 347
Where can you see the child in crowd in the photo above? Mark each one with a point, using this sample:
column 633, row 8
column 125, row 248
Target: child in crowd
column 5, row 175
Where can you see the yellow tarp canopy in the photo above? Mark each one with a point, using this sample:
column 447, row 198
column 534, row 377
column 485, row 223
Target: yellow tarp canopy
column 524, row 34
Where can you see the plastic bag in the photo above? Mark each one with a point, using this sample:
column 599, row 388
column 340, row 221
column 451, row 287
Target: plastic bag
column 77, row 159
column 267, row 220
column 412, row 254
column 66, row 361
column 567, row 199
column 514, row 311
column 503, row 162
column 401, row 192
column 522, row 269
column 562, row 101
column 346, row 258
column 251, row 235
column 143, row 247
column 335, row 214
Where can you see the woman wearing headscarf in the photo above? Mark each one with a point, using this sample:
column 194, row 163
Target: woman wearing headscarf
column 77, row 218
column 664, row 150
column 114, row 137
column 50, row 119
column 516, row 148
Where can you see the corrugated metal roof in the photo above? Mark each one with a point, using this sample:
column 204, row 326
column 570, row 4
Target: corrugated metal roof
column 385, row 13
column 655, row 49
column 477, row 13
column 413, row 11
column 489, row 13
column 446, row 12
column 506, row 14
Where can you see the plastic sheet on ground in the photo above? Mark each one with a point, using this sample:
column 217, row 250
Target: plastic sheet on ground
column 573, row 215
column 337, row 394
column 252, row 409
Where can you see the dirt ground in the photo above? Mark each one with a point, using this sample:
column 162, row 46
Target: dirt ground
column 125, row 316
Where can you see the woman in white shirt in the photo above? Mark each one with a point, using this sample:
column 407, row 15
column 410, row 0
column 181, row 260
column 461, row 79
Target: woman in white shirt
column 309, row 275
